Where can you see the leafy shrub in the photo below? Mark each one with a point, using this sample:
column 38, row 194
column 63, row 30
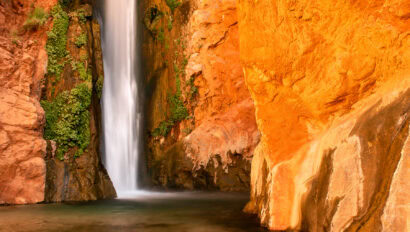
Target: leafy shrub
column 81, row 16
column 85, row 74
column 81, row 40
column 161, row 35
column 170, row 23
column 173, row 4
column 163, row 129
column 68, row 120
column 36, row 18
column 57, row 40
column 99, row 86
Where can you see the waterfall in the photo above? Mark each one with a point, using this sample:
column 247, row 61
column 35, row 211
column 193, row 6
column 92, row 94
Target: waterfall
column 121, row 111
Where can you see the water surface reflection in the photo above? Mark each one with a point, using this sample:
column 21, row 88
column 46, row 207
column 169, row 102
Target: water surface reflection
column 139, row 212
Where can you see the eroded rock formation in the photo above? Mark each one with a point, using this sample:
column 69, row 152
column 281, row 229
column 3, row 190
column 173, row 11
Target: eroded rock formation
column 74, row 168
column 23, row 62
column 63, row 64
column 211, row 146
column 330, row 83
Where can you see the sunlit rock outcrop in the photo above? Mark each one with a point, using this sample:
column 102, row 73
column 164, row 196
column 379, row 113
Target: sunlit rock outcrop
column 23, row 62
column 195, row 49
column 330, row 83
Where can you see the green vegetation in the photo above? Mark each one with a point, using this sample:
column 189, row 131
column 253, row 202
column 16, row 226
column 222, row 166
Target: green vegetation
column 57, row 40
column 178, row 111
column 163, row 129
column 169, row 23
column 99, row 86
column 81, row 40
column 81, row 16
column 84, row 57
column 193, row 90
column 85, row 74
column 173, row 4
column 68, row 120
column 36, row 18
column 161, row 35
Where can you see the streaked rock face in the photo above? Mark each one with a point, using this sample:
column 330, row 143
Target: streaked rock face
column 23, row 61
column 330, row 82
column 222, row 134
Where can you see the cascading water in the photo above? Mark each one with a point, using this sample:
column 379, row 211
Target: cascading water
column 120, row 105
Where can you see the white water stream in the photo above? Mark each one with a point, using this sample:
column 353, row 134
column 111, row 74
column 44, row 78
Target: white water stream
column 121, row 110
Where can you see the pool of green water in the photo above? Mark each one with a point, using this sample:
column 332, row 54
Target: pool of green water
column 142, row 212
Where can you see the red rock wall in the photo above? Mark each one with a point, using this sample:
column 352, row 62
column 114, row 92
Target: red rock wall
column 330, row 83
column 29, row 170
column 23, row 62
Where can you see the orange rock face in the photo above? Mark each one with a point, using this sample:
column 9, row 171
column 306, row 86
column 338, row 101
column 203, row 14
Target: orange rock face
column 330, row 82
column 220, row 134
column 23, row 61
column 213, row 48
column 224, row 112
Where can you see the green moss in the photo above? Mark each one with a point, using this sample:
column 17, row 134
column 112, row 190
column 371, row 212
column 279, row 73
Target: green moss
column 84, row 57
column 193, row 90
column 36, row 18
column 178, row 111
column 163, row 129
column 161, row 35
column 56, row 42
column 177, row 108
column 68, row 120
column 173, row 4
column 99, row 86
column 81, row 40
column 170, row 23
column 81, row 16
column 152, row 20
column 85, row 74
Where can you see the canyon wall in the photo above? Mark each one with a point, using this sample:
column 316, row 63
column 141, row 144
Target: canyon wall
column 331, row 85
column 23, row 62
column 201, row 128
column 50, row 84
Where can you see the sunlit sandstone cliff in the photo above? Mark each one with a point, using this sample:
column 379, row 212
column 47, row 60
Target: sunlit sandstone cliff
column 330, row 83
